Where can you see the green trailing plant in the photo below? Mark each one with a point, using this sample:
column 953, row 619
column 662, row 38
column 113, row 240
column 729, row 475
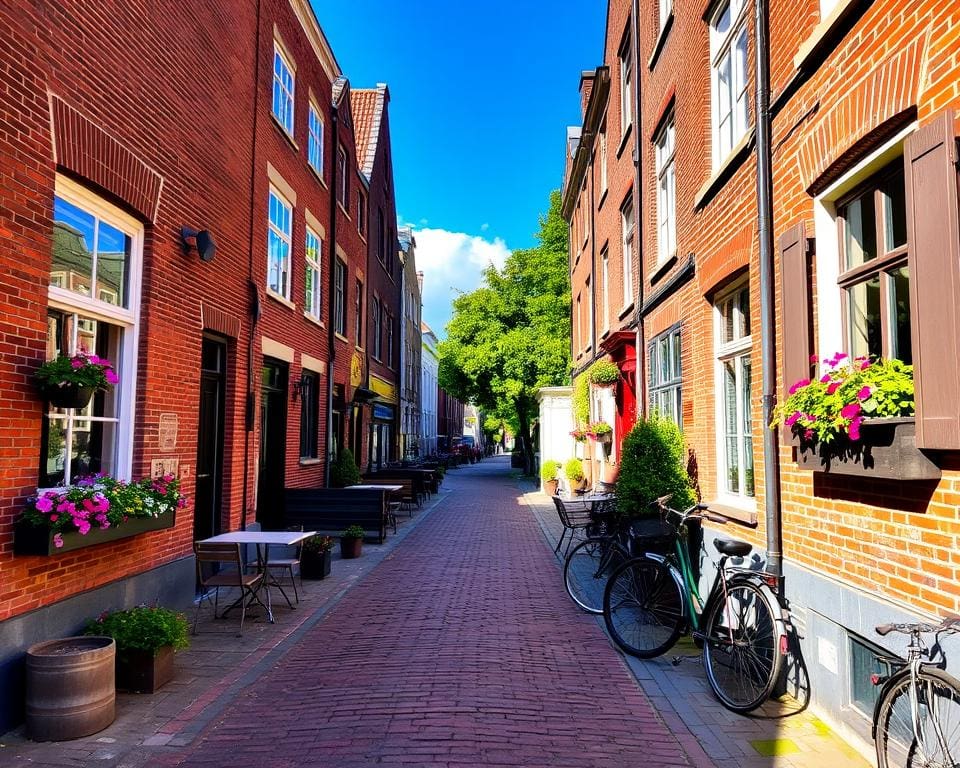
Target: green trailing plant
column 573, row 470
column 549, row 470
column 849, row 391
column 144, row 628
column 344, row 470
column 80, row 370
column 598, row 429
column 580, row 399
column 604, row 373
column 579, row 435
column 352, row 532
column 318, row 544
column 652, row 465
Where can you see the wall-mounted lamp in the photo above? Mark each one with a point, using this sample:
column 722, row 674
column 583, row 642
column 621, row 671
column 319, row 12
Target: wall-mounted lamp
column 301, row 385
column 203, row 239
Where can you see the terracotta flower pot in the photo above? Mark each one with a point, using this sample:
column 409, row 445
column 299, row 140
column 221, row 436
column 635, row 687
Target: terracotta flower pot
column 350, row 547
column 550, row 487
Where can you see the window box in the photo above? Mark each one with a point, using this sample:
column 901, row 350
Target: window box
column 29, row 539
column 887, row 449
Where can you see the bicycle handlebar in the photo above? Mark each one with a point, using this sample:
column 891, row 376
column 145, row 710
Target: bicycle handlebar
column 689, row 514
column 949, row 625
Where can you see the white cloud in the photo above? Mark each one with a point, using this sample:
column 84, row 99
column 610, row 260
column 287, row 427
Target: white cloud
column 484, row 227
column 452, row 263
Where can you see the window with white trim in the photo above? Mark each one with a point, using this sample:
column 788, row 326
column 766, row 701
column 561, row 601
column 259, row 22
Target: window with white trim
column 626, row 88
column 626, row 235
column 315, row 140
column 603, row 159
column 728, row 76
column 312, row 285
column 93, row 309
column 389, row 321
column 666, row 192
column 588, row 286
column 375, row 327
column 733, row 351
column 361, row 213
column 666, row 375
column 283, row 85
column 343, row 183
column 279, row 238
column 605, row 288
column 339, row 297
column 358, row 312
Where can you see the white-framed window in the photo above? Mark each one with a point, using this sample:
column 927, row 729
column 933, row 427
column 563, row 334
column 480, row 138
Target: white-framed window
column 666, row 192
column 279, row 238
column 588, row 286
column 362, row 213
column 375, row 327
column 315, row 139
column 283, row 87
column 605, row 288
column 728, row 76
column 666, row 377
column 313, row 290
column 358, row 312
column 389, row 321
column 666, row 10
column 626, row 241
column 626, row 88
column 734, row 402
column 603, row 159
column 578, row 326
column 339, row 297
column 343, row 183
column 93, row 308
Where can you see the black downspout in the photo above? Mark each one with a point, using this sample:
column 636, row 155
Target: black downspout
column 771, row 473
column 637, row 239
column 254, row 310
column 331, row 280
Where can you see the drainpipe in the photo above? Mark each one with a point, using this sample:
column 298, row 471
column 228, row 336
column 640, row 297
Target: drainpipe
column 771, row 462
column 638, row 240
column 331, row 282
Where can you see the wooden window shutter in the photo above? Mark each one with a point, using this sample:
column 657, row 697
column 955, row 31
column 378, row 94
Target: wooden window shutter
column 933, row 233
column 795, row 313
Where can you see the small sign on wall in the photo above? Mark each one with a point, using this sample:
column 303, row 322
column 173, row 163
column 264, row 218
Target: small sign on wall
column 169, row 424
column 161, row 467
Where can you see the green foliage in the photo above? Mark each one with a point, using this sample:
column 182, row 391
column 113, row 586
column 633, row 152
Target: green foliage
column 581, row 399
column 604, row 373
column 599, row 428
column 549, row 470
column 573, row 470
column 81, row 369
column 652, row 465
column 317, row 544
column 353, row 532
column 143, row 628
column 344, row 470
column 837, row 403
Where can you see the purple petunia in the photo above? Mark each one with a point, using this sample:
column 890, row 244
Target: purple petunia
column 850, row 411
column 864, row 393
column 798, row 385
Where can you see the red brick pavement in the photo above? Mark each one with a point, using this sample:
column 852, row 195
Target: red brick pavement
column 460, row 649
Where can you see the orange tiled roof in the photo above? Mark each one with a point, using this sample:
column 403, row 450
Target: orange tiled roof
column 368, row 105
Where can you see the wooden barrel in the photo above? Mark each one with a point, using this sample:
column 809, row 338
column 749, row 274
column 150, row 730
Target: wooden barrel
column 71, row 690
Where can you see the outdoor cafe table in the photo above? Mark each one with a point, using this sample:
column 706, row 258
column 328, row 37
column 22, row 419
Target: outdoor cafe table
column 390, row 488
column 263, row 540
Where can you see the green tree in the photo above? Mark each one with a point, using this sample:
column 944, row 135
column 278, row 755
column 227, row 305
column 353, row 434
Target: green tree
column 511, row 336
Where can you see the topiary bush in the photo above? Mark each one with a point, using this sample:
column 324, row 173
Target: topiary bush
column 573, row 470
column 581, row 399
column 344, row 470
column 604, row 373
column 652, row 465
column 549, row 470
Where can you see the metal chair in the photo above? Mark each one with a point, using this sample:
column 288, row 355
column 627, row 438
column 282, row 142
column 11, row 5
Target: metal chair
column 288, row 559
column 220, row 565
column 575, row 516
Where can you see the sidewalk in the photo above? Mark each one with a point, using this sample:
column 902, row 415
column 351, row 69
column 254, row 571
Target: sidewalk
column 776, row 736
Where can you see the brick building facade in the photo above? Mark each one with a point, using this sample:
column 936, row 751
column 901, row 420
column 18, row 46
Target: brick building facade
column 866, row 258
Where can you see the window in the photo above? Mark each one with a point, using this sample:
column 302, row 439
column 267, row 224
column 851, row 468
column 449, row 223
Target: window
column 391, row 250
column 97, row 252
column 358, row 313
column 734, row 400
column 309, row 414
column 666, row 10
column 361, row 213
column 343, row 183
column 311, row 283
column 381, row 236
column 279, row 238
column 339, row 297
column 665, row 375
column 315, row 140
column 590, row 316
column 375, row 327
column 626, row 88
column 603, row 159
column 626, row 233
column 605, row 288
column 283, row 84
column 389, row 320
column 578, row 327
column 728, row 74
column 874, row 279
column 666, row 193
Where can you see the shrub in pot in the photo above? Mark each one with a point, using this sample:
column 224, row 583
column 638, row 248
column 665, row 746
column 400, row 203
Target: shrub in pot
column 573, row 471
column 548, row 473
column 315, row 557
column 604, row 373
column 351, row 542
column 146, row 638
column 344, row 470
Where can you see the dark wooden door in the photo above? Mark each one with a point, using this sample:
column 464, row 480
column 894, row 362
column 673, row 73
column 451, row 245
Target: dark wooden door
column 273, row 444
column 209, row 477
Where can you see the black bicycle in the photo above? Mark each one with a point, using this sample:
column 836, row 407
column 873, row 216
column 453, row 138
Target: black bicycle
column 916, row 721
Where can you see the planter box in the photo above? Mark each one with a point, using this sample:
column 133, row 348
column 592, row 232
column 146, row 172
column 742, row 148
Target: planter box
column 887, row 449
column 37, row 540
column 143, row 672
column 315, row 566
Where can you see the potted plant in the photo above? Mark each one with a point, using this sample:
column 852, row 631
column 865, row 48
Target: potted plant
column 70, row 381
column 856, row 419
column 579, row 435
column 548, row 473
column 351, row 542
column 573, row 470
column 344, row 470
column 146, row 637
column 315, row 556
column 600, row 431
column 604, row 373
column 95, row 509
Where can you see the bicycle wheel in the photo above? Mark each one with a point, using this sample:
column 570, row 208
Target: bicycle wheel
column 938, row 722
column 741, row 648
column 586, row 570
column 643, row 607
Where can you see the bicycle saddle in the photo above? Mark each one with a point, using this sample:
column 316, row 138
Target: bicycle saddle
column 732, row 547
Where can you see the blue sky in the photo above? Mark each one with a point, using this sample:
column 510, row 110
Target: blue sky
column 481, row 94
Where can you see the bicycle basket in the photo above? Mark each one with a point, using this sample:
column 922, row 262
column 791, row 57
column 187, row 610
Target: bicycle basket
column 651, row 535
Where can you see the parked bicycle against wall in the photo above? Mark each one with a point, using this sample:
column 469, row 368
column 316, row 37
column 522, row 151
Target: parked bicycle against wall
column 916, row 721
column 652, row 599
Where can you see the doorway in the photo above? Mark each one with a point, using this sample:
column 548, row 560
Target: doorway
column 273, row 444
column 209, row 478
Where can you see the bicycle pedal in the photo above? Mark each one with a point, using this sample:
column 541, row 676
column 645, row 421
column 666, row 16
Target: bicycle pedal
column 675, row 661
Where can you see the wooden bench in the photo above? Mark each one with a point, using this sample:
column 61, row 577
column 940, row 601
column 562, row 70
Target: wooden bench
column 331, row 510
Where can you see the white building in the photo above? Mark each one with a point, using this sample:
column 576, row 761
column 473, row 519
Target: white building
column 411, row 346
column 429, row 366
column 556, row 424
